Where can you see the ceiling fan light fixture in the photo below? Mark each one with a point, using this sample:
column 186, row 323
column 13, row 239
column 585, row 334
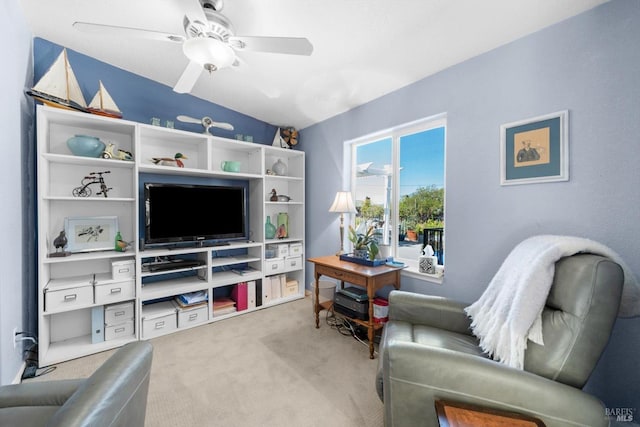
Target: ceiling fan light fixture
column 206, row 50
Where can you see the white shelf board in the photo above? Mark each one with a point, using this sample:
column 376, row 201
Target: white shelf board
column 89, row 199
column 171, row 287
column 87, row 256
column 231, row 260
column 171, row 170
column 88, row 161
column 225, row 278
column 62, row 351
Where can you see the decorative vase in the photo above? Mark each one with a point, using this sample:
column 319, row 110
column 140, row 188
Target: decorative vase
column 361, row 253
column 86, row 146
column 269, row 229
column 279, row 168
column 283, row 225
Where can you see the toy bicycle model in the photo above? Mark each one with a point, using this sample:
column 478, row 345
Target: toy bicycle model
column 93, row 178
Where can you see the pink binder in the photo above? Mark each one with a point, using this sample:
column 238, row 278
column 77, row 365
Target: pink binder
column 239, row 295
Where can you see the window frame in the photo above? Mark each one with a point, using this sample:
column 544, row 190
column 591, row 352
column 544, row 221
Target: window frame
column 396, row 133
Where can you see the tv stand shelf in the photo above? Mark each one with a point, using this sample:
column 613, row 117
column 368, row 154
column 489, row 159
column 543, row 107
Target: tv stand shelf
column 66, row 333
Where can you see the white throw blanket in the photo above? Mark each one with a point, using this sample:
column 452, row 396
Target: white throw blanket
column 509, row 312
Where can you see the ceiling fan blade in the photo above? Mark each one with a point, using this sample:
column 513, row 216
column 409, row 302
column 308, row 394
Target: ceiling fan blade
column 286, row 45
column 193, row 9
column 114, row 30
column 227, row 126
column 188, row 78
column 187, row 119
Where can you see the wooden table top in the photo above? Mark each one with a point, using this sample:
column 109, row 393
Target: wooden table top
column 364, row 270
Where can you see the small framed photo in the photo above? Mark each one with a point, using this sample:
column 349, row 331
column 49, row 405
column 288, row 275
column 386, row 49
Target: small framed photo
column 535, row 150
column 86, row 234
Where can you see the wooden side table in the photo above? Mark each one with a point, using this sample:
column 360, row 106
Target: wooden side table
column 370, row 278
column 455, row 414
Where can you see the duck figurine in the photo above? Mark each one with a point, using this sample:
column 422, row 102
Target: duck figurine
column 168, row 161
column 274, row 196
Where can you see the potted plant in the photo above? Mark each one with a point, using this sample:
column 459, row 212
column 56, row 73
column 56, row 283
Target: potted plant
column 412, row 234
column 364, row 245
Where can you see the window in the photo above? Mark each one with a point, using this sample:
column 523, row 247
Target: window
column 397, row 179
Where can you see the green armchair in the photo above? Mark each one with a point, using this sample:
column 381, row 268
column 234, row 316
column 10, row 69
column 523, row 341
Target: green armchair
column 428, row 353
column 115, row 395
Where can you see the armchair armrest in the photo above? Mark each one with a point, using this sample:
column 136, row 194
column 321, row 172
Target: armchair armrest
column 429, row 310
column 412, row 386
column 51, row 393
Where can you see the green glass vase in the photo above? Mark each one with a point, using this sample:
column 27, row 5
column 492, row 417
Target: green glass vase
column 269, row 229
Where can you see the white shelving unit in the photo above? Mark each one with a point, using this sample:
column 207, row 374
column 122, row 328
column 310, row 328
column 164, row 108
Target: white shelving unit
column 65, row 330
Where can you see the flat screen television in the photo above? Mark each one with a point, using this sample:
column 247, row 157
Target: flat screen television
column 176, row 213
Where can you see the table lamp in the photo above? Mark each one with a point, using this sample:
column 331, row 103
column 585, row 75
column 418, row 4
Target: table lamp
column 342, row 204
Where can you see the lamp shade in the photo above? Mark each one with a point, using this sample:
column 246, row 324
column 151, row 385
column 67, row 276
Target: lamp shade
column 343, row 203
column 206, row 50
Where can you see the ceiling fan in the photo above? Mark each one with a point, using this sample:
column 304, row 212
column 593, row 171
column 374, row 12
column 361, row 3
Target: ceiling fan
column 209, row 41
column 207, row 122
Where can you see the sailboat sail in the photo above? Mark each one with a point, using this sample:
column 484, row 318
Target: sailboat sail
column 59, row 86
column 102, row 103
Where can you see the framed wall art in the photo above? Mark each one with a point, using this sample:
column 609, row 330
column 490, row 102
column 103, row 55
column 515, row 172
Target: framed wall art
column 535, row 150
column 86, row 234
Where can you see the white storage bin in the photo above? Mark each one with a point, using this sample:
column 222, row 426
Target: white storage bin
column 121, row 270
column 67, row 294
column 295, row 249
column 281, row 249
column 108, row 290
column 327, row 291
column 118, row 313
column 274, row 266
column 188, row 316
column 293, row 263
column 290, row 288
column 122, row 330
column 158, row 319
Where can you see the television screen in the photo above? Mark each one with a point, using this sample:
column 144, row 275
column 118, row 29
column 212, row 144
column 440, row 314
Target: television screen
column 186, row 213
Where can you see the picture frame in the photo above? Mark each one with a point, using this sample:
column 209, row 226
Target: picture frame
column 87, row 234
column 535, row 150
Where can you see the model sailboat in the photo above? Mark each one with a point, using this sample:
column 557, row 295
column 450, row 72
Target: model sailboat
column 102, row 104
column 59, row 86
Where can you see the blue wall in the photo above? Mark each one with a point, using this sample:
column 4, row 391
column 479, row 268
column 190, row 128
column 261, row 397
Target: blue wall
column 589, row 65
column 140, row 99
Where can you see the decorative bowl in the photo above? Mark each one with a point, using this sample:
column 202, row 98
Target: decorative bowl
column 86, row 146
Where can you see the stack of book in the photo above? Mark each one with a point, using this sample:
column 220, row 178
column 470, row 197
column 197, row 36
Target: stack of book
column 193, row 299
column 223, row 305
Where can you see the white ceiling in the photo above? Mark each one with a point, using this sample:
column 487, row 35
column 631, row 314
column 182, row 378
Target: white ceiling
column 363, row 49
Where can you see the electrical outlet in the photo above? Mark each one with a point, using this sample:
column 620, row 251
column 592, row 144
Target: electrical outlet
column 14, row 336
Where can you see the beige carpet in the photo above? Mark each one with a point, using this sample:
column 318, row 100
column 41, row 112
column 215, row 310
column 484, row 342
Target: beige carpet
column 266, row 368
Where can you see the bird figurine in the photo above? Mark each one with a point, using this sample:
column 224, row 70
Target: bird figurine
column 274, row 196
column 121, row 245
column 168, row 161
column 59, row 243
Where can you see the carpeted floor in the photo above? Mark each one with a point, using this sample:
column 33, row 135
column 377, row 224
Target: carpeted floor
column 266, row 368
